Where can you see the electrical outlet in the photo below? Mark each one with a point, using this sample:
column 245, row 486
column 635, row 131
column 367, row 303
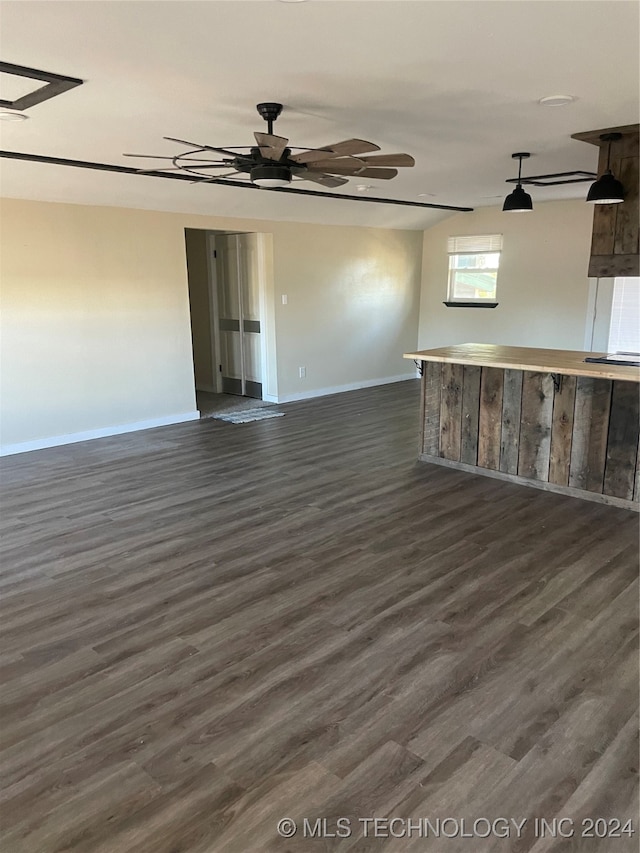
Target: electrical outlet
column 285, row 298
column 302, row 372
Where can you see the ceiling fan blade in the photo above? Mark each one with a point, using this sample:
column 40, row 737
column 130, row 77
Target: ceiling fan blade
column 324, row 180
column 389, row 160
column 336, row 167
column 271, row 147
column 381, row 174
column 339, row 166
column 201, row 147
column 338, row 149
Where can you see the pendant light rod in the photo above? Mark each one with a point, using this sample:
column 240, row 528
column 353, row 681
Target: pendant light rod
column 523, row 155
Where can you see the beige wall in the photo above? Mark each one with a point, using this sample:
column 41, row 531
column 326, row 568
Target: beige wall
column 542, row 284
column 95, row 320
column 95, row 313
column 353, row 302
column 95, row 307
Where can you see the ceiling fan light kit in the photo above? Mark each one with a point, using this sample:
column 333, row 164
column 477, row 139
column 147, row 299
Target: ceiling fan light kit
column 607, row 189
column 271, row 176
column 518, row 201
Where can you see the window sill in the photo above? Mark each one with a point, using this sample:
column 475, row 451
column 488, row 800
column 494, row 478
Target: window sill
column 471, row 304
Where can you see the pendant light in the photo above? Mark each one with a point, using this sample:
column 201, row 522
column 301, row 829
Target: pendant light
column 518, row 201
column 607, row 190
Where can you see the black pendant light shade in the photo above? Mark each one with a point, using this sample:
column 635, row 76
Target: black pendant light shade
column 607, row 189
column 518, row 201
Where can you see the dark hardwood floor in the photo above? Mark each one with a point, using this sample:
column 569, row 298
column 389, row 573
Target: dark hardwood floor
column 210, row 627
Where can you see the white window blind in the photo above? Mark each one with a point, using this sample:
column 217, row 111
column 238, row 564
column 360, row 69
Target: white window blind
column 624, row 332
column 473, row 269
column 483, row 243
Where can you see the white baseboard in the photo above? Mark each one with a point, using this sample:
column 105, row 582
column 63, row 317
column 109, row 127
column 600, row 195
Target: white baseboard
column 88, row 435
column 339, row 389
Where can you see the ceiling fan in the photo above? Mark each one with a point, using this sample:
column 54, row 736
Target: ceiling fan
column 273, row 163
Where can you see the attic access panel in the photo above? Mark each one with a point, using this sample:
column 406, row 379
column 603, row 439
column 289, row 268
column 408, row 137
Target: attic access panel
column 55, row 84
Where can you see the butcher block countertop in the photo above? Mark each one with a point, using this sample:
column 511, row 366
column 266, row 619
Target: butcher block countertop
column 567, row 362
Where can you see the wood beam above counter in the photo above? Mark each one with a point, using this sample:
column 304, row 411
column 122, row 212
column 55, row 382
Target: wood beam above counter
column 565, row 362
column 615, row 244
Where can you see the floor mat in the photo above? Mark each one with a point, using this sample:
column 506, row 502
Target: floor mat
column 247, row 415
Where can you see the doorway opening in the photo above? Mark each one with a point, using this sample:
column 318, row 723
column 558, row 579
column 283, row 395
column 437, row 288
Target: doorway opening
column 227, row 276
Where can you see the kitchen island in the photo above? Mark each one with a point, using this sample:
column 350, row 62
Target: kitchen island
column 540, row 417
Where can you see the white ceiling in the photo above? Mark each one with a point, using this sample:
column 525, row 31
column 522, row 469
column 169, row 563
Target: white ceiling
column 455, row 83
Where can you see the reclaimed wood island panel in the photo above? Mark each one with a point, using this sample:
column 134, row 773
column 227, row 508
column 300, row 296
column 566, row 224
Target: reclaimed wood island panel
column 539, row 417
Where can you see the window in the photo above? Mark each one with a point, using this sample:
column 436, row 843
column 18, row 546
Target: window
column 473, row 269
column 624, row 329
